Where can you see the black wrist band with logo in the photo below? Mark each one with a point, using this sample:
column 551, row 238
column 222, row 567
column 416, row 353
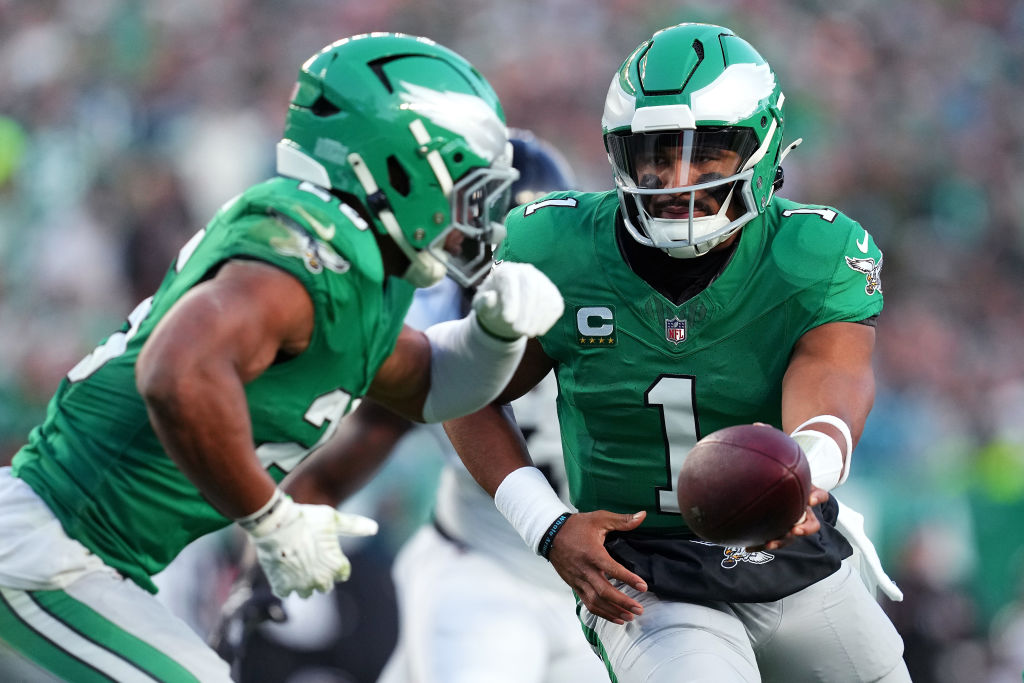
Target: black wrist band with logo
column 544, row 549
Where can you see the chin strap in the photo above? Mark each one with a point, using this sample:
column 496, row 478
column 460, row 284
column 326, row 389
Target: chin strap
column 789, row 148
column 779, row 173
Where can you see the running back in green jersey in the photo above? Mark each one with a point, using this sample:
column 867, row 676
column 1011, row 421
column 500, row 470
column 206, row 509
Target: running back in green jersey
column 96, row 460
column 641, row 379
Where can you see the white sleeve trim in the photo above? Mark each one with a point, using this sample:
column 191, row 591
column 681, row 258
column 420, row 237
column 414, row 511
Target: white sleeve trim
column 468, row 367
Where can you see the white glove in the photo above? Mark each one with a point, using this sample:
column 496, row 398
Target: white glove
column 516, row 300
column 850, row 524
column 297, row 545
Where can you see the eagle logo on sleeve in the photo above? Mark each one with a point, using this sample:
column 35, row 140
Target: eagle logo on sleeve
column 315, row 253
column 871, row 271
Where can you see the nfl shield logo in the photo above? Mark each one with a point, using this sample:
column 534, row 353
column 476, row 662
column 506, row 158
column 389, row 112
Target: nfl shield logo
column 675, row 330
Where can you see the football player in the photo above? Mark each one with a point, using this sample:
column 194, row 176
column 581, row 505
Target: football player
column 270, row 325
column 474, row 603
column 696, row 298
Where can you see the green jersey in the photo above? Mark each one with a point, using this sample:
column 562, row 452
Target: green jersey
column 96, row 460
column 640, row 378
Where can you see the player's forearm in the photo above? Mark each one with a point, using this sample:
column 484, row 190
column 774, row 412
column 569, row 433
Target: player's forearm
column 469, row 367
column 489, row 444
column 847, row 397
column 492, row 448
column 203, row 424
column 831, row 374
column 827, row 393
column 469, row 361
column 349, row 460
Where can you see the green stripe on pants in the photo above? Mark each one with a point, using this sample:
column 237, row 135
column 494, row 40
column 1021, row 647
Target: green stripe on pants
column 594, row 641
column 42, row 651
column 86, row 635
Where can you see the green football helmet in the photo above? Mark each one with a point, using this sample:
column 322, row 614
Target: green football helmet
column 413, row 131
column 694, row 114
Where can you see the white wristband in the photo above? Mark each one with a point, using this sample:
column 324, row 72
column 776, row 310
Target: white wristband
column 830, row 466
column 468, row 367
column 528, row 502
column 266, row 518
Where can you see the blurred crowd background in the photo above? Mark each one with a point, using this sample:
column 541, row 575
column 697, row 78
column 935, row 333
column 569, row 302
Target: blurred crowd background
column 125, row 124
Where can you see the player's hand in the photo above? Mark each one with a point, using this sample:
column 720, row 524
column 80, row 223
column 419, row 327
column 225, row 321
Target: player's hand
column 579, row 557
column 298, row 548
column 807, row 525
column 517, row 299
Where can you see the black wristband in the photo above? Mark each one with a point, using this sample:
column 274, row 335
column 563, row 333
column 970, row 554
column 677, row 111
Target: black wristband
column 544, row 549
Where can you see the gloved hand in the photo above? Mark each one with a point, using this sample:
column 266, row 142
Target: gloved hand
column 517, row 299
column 297, row 546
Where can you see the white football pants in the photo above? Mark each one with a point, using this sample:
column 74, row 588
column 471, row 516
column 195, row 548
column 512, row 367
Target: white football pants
column 831, row 632
column 64, row 608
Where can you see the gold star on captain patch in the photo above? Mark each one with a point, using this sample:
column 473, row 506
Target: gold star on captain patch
column 603, row 341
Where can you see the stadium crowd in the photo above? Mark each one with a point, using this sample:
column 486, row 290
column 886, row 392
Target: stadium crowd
column 124, row 123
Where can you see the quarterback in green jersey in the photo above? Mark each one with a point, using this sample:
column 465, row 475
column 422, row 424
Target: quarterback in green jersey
column 696, row 299
column 269, row 326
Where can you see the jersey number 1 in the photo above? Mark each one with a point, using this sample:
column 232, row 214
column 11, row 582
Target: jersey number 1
column 675, row 396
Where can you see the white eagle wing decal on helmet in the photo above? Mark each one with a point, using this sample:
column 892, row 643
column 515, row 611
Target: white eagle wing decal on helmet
column 467, row 115
column 735, row 94
column 619, row 106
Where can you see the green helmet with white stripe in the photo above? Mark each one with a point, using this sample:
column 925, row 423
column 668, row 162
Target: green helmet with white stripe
column 693, row 129
column 415, row 133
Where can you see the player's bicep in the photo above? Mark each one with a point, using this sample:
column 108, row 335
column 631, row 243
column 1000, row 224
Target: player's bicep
column 533, row 367
column 842, row 346
column 244, row 318
column 403, row 379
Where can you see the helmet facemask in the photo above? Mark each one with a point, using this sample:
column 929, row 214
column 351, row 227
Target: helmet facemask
column 684, row 191
column 479, row 202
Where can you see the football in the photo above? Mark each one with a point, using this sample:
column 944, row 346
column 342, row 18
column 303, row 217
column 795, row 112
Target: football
column 744, row 485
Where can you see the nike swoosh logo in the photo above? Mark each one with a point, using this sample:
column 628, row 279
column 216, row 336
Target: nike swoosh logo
column 327, row 231
column 863, row 246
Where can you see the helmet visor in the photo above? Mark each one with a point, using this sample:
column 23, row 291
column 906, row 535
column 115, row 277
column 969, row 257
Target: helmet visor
column 479, row 202
column 674, row 162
